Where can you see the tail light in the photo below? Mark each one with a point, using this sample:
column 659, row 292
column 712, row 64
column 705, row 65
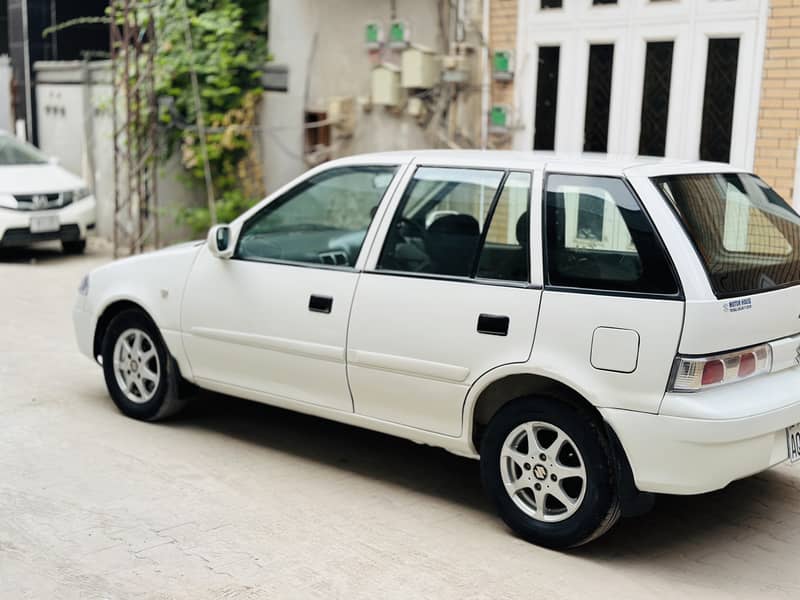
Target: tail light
column 696, row 373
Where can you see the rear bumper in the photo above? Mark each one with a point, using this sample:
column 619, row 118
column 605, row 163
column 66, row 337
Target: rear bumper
column 75, row 221
column 688, row 455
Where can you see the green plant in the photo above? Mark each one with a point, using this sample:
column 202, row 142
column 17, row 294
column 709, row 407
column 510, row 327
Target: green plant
column 229, row 52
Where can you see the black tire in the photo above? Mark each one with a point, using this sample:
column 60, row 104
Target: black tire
column 74, row 247
column 600, row 507
column 172, row 391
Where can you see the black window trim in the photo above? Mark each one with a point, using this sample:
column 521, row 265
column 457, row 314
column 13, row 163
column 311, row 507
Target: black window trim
column 697, row 253
column 455, row 278
column 678, row 296
column 398, row 171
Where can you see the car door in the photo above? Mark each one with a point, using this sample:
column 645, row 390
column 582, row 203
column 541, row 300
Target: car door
column 445, row 297
column 612, row 309
column 273, row 319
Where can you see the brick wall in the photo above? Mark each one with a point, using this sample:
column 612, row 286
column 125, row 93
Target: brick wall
column 779, row 113
column 503, row 36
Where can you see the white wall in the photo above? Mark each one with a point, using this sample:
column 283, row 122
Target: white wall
column 6, row 123
column 338, row 65
column 75, row 126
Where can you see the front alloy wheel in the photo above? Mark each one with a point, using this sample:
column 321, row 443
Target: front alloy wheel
column 136, row 366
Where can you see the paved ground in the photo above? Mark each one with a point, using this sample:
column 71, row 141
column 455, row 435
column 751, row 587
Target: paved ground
column 238, row 500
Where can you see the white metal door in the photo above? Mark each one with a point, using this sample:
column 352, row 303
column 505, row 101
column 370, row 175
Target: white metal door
column 629, row 25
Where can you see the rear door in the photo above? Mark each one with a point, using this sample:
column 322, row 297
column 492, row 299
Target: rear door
column 446, row 296
column 612, row 309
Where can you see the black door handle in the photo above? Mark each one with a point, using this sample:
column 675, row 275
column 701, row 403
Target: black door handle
column 493, row 324
column 321, row 304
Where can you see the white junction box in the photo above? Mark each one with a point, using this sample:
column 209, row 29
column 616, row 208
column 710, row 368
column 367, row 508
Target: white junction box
column 418, row 68
column 386, row 85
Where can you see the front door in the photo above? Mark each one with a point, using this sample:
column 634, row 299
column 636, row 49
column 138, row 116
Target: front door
column 273, row 319
column 448, row 297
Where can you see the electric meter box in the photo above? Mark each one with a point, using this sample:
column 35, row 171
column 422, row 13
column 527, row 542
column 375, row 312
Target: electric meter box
column 373, row 35
column 399, row 35
column 503, row 65
column 418, row 68
column 386, row 85
column 499, row 117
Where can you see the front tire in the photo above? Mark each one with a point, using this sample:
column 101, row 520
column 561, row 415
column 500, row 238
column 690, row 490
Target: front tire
column 141, row 376
column 548, row 467
column 74, row 247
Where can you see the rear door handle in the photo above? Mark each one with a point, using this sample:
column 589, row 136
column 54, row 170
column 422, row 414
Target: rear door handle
column 320, row 304
column 493, row 324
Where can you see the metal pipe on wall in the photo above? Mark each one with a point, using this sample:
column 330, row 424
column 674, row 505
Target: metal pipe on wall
column 486, row 81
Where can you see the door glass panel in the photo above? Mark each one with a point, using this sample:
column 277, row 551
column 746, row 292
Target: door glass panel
column 437, row 228
column 546, row 98
column 598, row 237
column 598, row 98
column 718, row 99
column 505, row 251
column 655, row 98
column 322, row 221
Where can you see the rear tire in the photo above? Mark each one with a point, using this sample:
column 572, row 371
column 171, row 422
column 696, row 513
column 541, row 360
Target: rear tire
column 141, row 376
column 549, row 469
column 74, row 247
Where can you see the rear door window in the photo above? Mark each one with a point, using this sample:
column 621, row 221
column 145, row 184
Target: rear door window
column 599, row 238
column 747, row 236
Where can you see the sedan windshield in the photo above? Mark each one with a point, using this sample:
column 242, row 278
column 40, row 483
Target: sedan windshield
column 14, row 153
column 747, row 236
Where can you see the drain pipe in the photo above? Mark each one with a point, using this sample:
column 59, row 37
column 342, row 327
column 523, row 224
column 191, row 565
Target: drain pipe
column 26, row 64
column 486, row 83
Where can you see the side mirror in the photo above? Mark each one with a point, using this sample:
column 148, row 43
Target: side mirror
column 220, row 241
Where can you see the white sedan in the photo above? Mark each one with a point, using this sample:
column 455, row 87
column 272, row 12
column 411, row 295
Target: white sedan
column 593, row 330
column 40, row 201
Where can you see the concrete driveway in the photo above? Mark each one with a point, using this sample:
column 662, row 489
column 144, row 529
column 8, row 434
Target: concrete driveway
column 239, row 500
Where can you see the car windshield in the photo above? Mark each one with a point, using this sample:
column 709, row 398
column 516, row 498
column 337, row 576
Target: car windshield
column 747, row 236
column 14, row 153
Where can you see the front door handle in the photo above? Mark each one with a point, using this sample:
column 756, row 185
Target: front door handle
column 320, row 304
column 493, row 324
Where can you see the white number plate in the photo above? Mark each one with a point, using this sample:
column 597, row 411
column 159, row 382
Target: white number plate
column 793, row 442
column 45, row 224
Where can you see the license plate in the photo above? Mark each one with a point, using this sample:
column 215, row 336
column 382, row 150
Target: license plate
column 45, row 224
column 793, row 442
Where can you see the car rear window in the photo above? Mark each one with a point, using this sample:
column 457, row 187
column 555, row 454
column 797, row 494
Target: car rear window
column 747, row 236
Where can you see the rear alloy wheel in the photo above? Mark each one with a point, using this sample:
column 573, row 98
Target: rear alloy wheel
column 141, row 376
column 548, row 468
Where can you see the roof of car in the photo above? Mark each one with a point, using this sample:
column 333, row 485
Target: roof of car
column 593, row 164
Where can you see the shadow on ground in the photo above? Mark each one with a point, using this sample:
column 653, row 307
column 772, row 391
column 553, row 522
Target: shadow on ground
column 677, row 528
column 43, row 252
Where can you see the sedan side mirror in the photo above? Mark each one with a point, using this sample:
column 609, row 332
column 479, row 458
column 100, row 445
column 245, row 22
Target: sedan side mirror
column 220, row 241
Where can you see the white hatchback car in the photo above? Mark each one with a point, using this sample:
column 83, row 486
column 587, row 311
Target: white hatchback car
column 40, row 201
column 594, row 330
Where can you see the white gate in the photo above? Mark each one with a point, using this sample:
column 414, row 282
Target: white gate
column 629, row 25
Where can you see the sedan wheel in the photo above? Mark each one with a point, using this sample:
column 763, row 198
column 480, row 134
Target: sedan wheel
column 136, row 365
column 141, row 376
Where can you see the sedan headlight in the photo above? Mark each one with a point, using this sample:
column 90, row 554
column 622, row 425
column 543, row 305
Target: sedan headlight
column 75, row 195
column 8, row 201
column 83, row 288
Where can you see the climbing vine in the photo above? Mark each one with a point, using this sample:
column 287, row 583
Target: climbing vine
column 228, row 54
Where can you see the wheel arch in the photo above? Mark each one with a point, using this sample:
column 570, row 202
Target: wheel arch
column 508, row 385
column 107, row 315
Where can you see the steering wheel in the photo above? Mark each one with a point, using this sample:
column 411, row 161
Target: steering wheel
column 404, row 224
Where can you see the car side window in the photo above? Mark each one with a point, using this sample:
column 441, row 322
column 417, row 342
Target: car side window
column 462, row 223
column 599, row 237
column 321, row 221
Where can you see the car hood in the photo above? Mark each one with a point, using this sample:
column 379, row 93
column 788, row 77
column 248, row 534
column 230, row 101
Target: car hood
column 37, row 179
